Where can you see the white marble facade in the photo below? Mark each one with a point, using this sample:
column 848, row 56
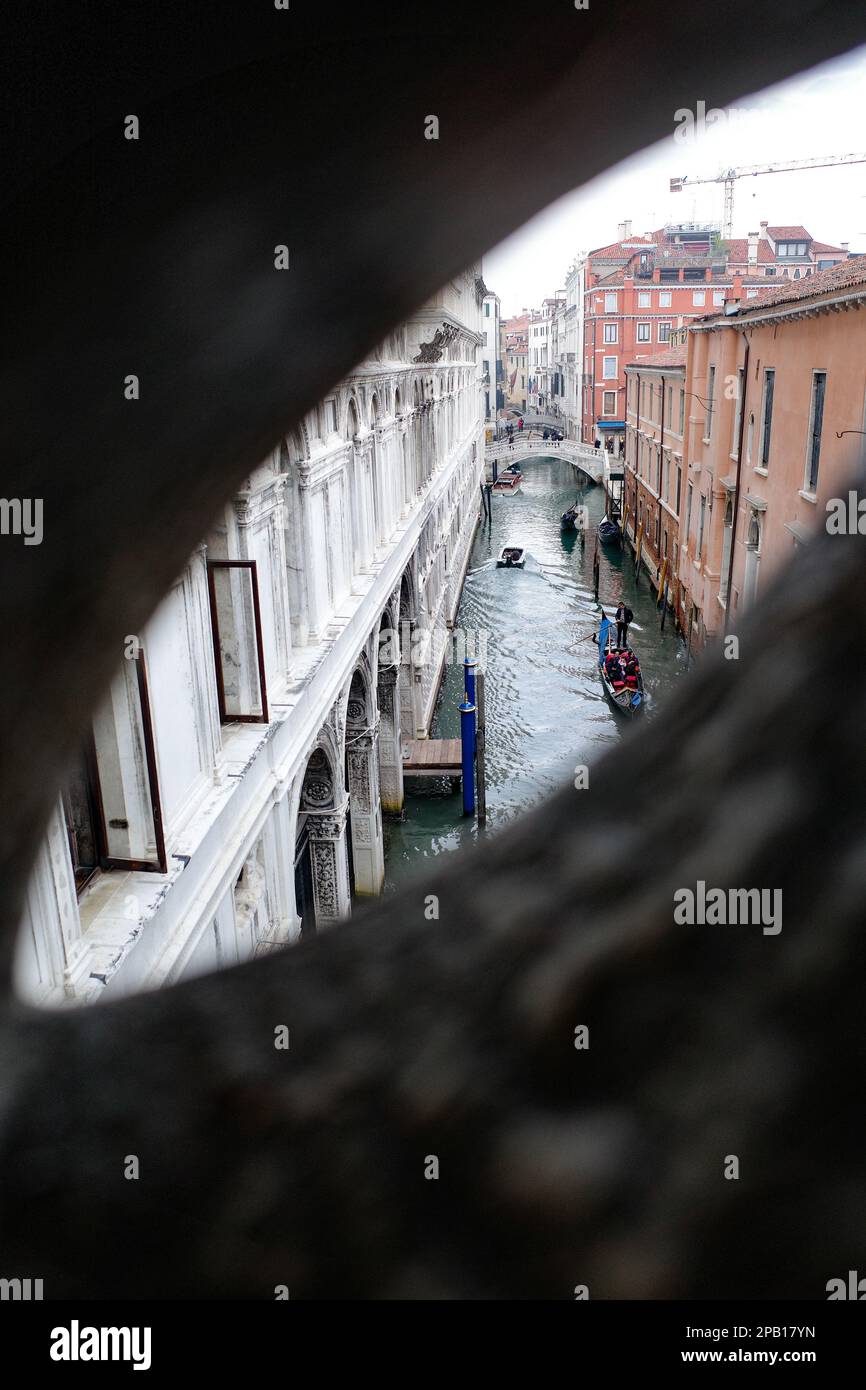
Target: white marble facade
column 217, row 814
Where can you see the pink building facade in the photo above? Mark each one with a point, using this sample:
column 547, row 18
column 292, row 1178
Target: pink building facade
column 776, row 392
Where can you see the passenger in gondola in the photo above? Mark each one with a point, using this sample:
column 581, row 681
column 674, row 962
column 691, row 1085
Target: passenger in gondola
column 615, row 671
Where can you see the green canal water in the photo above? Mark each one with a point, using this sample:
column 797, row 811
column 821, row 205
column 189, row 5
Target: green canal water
column 546, row 709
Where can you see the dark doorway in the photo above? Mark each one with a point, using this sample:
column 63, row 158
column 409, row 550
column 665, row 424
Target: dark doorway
column 349, row 847
column 305, row 902
column 82, row 818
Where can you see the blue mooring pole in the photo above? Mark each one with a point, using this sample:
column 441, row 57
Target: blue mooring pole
column 467, row 756
column 469, row 666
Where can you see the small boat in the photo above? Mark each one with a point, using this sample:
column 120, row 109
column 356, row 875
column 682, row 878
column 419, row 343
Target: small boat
column 609, row 530
column 512, row 557
column 509, row 481
column 620, row 671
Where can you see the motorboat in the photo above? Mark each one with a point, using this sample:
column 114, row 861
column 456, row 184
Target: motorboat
column 509, row 480
column 512, row 557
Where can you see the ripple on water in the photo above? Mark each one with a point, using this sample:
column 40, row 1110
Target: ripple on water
column 546, row 709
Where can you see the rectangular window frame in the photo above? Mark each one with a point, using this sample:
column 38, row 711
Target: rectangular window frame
column 813, row 439
column 738, row 413
column 212, row 567
column 767, row 416
column 711, row 388
column 107, row 861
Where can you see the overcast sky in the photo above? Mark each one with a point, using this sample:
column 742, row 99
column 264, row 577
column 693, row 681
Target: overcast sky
column 822, row 111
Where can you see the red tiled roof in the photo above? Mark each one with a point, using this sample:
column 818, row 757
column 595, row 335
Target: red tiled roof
column 737, row 252
column 839, row 277
column 822, row 246
column 671, row 357
column 789, row 234
column 725, row 277
column 615, row 248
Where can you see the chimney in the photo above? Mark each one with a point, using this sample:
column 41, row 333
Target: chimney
column 623, row 231
column 735, row 293
column 764, row 226
column 844, row 246
column 754, row 238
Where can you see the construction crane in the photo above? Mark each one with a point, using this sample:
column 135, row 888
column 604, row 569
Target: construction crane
column 729, row 176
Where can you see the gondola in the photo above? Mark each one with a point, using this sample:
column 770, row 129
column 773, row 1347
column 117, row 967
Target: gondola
column 626, row 694
column 571, row 520
column 609, row 531
column 512, row 557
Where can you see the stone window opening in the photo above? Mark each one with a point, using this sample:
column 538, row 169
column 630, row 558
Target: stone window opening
column 236, row 627
column 111, row 800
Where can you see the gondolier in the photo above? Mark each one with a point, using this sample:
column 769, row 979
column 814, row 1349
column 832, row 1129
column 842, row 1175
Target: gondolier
column 624, row 616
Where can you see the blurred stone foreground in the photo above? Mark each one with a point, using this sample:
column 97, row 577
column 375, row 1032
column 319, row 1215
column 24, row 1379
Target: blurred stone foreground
column 558, row 1167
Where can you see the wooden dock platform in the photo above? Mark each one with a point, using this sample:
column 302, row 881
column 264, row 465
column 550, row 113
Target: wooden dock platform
column 432, row 757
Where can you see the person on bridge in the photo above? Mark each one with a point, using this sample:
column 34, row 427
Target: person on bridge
column 624, row 616
column 520, row 425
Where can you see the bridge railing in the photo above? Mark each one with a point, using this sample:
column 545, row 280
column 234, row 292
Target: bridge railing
column 590, row 460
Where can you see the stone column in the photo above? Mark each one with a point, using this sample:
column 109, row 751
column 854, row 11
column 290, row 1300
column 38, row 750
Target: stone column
column 207, row 704
column 407, row 678
column 389, row 469
column 406, row 488
column 368, row 853
column 390, row 742
column 364, row 479
column 315, row 562
column 327, row 831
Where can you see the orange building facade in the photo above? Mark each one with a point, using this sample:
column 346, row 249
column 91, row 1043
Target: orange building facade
column 637, row 292
column 777, row 395
column 654, row 459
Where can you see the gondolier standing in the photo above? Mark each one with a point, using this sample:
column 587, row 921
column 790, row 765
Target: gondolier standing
column 624, row 616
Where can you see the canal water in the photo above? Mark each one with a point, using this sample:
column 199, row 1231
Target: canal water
column 546, row 709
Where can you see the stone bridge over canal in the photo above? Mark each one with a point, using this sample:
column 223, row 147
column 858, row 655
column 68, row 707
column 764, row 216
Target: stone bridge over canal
column 583, row 457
